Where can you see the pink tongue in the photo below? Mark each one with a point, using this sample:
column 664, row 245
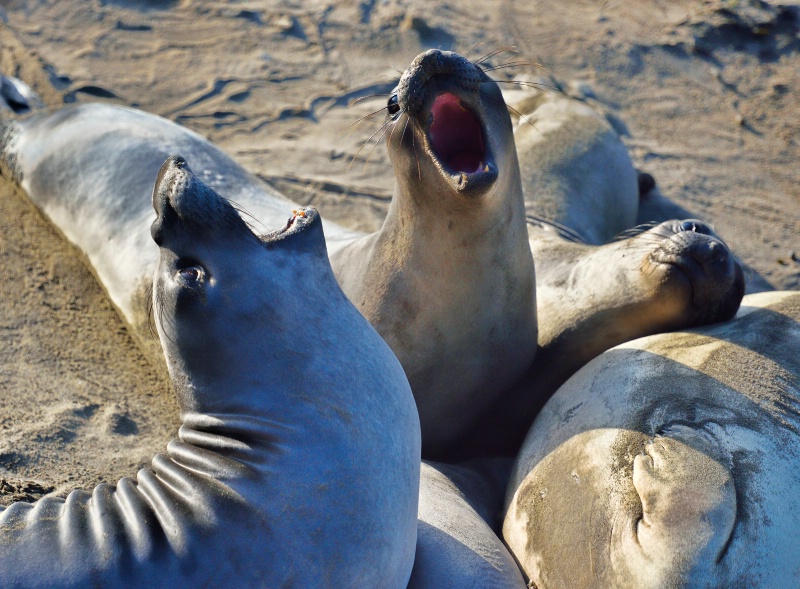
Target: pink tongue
column 456, row 135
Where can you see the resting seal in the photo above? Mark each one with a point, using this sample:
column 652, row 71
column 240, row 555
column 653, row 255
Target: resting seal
column 449, row 281
column 670, row 461
column 291, row 468
column 580, row 190
column 576, row 171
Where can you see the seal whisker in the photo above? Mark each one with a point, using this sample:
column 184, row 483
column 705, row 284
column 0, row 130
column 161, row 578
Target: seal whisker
column 414, row 147
column 385, row 128
column 360, row 98
column 522, row 116
column 563, row 231
column 474, row 47
column 257, row 226
column 372, row 114
column 504, row 49
column 634, row 231
column 537, row 85
column 382, row 127
column 512, row 64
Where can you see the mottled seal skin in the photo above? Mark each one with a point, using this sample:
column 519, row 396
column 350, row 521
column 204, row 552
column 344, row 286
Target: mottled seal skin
column 670, row 461
column 457, row 545
column 292, row 467
column 449, row 281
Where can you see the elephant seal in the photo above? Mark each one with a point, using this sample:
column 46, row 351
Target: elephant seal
column 676, row 275
column 448, row 281
column 292, row 467
column 669, row 461
column 577, row 173
column 456, row 543
column 453, row 252
column 89, row 169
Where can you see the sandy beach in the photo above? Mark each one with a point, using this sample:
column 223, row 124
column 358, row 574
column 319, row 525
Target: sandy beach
column 704, row 93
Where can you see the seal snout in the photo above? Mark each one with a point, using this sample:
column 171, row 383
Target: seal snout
column 716, row 277
column 432, row 72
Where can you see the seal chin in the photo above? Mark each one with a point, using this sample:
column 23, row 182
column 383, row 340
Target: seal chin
column 457, row 142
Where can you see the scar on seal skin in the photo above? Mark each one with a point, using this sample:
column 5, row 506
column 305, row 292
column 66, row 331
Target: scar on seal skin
column 292, row 467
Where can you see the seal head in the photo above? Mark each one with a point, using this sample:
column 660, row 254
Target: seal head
column 454, row 110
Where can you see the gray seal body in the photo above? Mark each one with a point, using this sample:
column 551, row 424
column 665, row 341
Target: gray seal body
column 457, row 537
column 292, row 467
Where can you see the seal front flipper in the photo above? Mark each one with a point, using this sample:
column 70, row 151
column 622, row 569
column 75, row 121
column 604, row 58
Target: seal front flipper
column 292, row 467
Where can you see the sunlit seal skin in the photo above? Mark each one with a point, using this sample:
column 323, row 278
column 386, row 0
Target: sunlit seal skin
column 448, row 281
column 457, row 545
column 292, row 467
column 670, row 461
column 576, row 172
column 676, row 275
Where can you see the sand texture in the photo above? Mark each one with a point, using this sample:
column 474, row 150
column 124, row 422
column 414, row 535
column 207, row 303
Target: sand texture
column 705, row 93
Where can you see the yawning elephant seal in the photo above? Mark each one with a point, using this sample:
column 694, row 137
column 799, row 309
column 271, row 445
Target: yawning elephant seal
column 297, row 461
column 448, row 281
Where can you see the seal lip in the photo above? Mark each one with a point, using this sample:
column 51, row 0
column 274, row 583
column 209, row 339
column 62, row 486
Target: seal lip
column 302, row 219
column 458, row 142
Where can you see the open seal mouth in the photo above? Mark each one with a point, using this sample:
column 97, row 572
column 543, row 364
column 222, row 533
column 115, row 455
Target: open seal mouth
column 456, row 136
column 457, row 142
column 300, row 220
